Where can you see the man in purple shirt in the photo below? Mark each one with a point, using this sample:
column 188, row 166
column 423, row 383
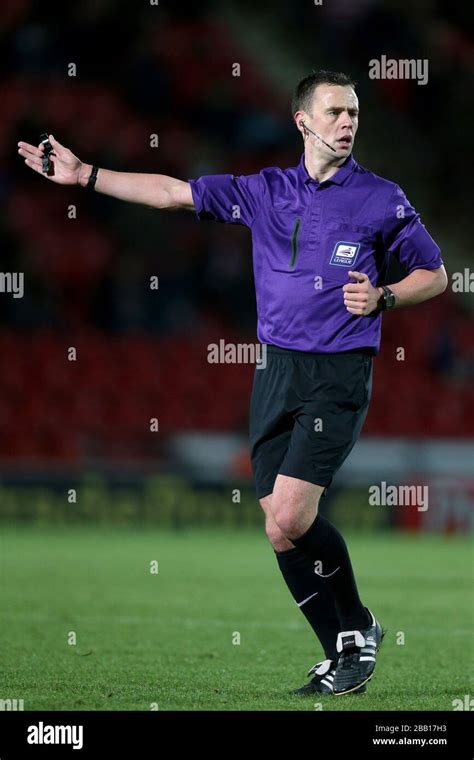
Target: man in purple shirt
column 322, row 233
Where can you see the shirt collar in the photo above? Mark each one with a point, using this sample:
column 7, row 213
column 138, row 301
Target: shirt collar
column 338, row 178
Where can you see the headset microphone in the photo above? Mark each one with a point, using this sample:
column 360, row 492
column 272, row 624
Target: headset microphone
column 318, row 136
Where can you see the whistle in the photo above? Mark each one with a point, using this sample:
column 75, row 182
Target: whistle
column 48, row 148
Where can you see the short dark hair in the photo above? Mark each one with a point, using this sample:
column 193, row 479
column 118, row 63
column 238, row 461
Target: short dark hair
column 302, row 99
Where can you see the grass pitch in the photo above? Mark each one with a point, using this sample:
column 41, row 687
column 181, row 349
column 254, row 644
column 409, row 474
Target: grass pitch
column 167, row 640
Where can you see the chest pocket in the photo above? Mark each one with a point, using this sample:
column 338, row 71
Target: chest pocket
column 347, row 246
column 287, row 233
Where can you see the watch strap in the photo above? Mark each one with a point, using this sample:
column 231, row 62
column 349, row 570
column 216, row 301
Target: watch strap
column 92, row 179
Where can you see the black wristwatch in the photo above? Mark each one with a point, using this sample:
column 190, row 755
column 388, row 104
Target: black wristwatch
column 387, row 299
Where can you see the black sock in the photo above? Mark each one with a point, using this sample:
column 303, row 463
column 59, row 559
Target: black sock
column 323, row 544
column 319, row 610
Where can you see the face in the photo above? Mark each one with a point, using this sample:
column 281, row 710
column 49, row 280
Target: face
column 335, row 116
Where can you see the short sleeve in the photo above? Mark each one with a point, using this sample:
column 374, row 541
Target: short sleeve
column 405, row 236
column 227, row 198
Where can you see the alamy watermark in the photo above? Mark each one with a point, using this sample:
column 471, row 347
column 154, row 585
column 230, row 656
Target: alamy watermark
column 46, row 734
column 12, row 282
column 237, row 353
column 405, row 68
column 11, row 705
column 467, row 703
column 463, row 282
column 384, row 495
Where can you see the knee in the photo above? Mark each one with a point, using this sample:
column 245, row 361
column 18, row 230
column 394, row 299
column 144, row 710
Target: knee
column 294, row 505
column 291, row 518
column 277, row 539
column 287, row 521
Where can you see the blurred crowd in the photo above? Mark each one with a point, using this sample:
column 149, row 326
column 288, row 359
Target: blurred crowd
column 165, row 70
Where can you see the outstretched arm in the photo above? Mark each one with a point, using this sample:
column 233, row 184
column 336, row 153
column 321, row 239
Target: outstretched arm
column 155, row 190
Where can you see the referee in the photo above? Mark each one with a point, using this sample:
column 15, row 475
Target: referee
column 322, row 232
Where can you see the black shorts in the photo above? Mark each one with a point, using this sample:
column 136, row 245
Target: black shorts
column 306, row 413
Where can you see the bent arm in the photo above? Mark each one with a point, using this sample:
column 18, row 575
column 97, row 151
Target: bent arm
column 155, row 190
column 420, row 285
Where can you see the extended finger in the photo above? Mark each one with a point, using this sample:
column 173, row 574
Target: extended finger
column 36, row 165
column 35, row 151
column 30, row 159
column 30, row 155
column 57, row 147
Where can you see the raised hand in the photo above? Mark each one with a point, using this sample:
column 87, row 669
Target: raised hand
column 65, row 166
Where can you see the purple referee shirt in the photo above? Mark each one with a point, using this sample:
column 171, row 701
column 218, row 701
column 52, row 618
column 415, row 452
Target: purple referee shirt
column 306, row 236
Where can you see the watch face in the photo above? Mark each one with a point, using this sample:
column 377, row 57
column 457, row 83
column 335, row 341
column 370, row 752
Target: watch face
column 389, row 299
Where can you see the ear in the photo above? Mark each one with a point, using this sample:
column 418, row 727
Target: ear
column 302, row 126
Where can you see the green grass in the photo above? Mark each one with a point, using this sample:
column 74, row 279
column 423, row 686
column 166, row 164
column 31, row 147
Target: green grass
column 167, row 638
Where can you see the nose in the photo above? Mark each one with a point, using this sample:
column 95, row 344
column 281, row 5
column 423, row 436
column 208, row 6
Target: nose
column 346, row 121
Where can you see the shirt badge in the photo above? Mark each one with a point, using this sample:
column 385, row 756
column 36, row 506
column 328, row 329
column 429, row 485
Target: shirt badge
column 344, row 254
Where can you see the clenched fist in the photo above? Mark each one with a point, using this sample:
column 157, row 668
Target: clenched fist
column 360, row 297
